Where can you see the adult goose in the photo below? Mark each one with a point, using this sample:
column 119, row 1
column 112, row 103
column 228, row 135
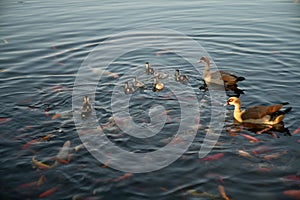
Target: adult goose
column 258, row 114
column 214, row 77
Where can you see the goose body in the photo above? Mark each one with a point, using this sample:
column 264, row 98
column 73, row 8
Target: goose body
column 258, row 114
column 214, row 77
column 128, row 89
column 160, row 75
column 181, row 77
column 157, row 86
column 137, row 83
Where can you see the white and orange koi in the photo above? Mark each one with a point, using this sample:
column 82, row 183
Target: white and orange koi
column 39, row 164
column 63, row 155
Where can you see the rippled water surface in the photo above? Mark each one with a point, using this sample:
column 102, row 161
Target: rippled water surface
column 44, row 44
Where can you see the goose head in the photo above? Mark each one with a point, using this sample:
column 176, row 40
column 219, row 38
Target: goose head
column 205, row 60
column 233, row 101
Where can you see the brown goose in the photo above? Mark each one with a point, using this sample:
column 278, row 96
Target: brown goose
column 213, row 77
column 258, row 114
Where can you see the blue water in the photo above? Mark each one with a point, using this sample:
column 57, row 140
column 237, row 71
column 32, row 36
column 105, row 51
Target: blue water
column 44, row 44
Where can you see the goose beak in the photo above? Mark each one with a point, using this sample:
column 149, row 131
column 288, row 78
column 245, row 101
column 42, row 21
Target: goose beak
column 227, row 103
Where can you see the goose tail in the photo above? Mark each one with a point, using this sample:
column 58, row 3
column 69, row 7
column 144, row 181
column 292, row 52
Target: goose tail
column 287, row 110
column 240, row 78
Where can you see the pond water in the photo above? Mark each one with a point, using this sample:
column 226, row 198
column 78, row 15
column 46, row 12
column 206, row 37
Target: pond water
column 46, row 44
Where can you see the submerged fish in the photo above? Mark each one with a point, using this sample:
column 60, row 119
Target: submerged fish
column 213, row 157
column 39, row 164
column 48, row 192
column 63, row 155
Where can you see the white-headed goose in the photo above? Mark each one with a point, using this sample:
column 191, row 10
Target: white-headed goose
column 258, row 114
column 213, row 77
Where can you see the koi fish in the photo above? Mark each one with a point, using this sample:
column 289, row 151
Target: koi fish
column 251, row 139
column 291, row 178
column 48, row 192
column 163, row 189
column 260, row 150
column 4, row 120
column 39, row 164
column 81, row 146
column 222, row 192
column 202, row 194
column 30, row 143
column 275, row 155
column 296, row 131
column 56, row 116
column 63, row 155
column 41, row 180
column 125, row 176
column 28, row 185
column 244, row 153
column 33, row 183
column 213, row 157
column 47, row 137
column 292, row 193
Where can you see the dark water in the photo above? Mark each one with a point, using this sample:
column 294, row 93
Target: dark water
column 43, row 45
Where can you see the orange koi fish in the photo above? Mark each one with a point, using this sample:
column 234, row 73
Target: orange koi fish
column 30, row 143
column 213, row 157
column 63, row 155
column 296, row 131
column 292, row 193
column 125, row 176
column 48, row 192
column 56, row 116
column 28, row 185
column 251, row 139
column 222, row 192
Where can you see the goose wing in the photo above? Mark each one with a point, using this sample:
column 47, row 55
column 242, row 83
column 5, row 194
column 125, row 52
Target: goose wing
column 258, row 112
